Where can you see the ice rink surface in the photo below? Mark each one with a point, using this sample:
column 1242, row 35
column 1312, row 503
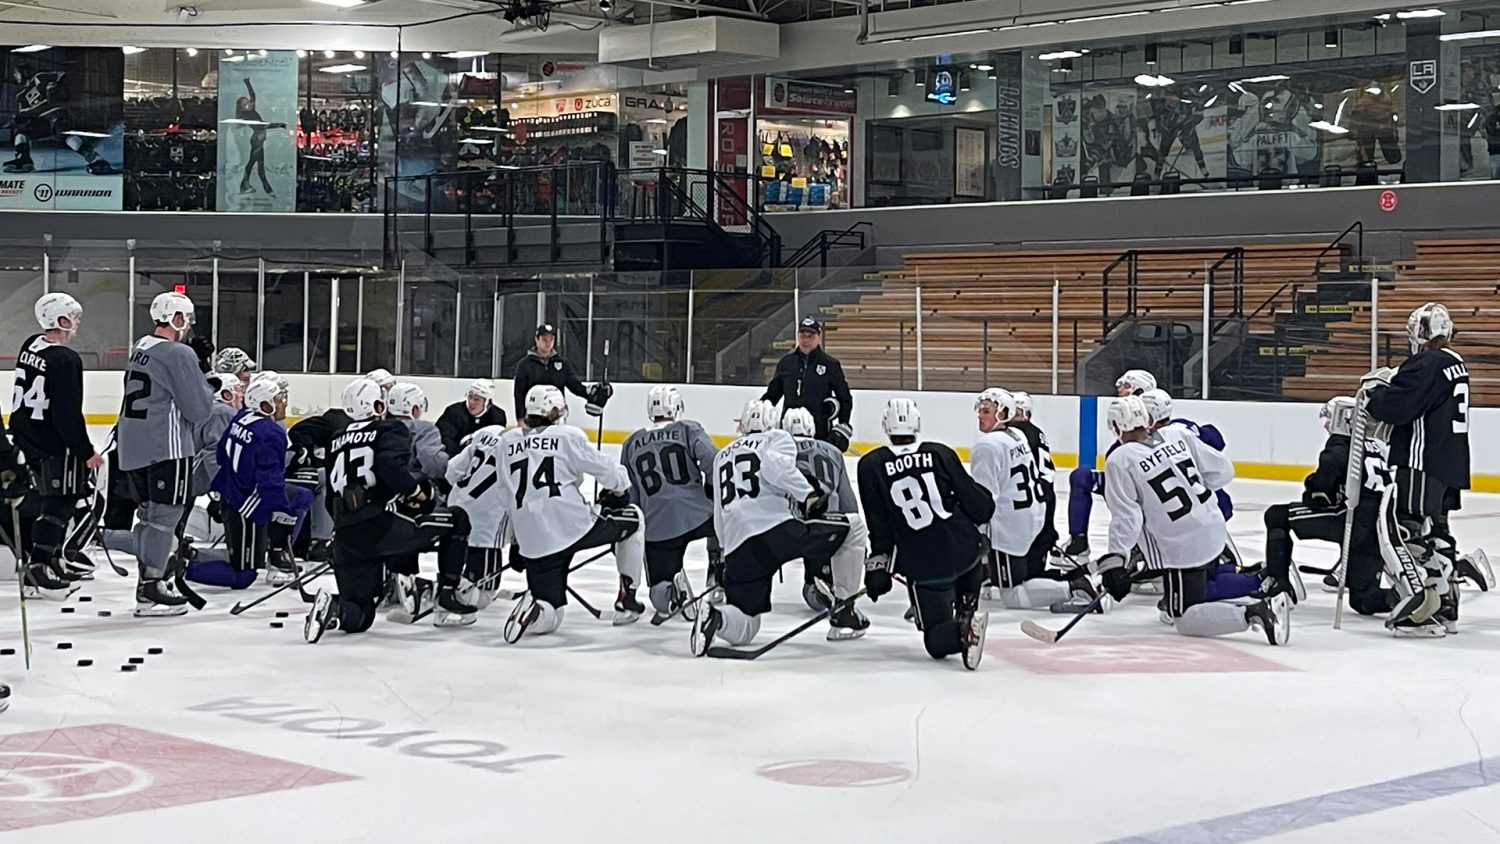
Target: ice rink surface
column 1124, row 731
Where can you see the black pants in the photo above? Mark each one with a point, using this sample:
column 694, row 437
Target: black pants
column 944, row 607
column 749, row 568
column 1185, row 588
column 119, row 506
column 1362, row 575
column 360, row 553
column 547, row 577
column 664, row 558
column 244, row 540
column 60, row 483
column 1421, row 496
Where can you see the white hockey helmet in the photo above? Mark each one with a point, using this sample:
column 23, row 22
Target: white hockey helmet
column 383, row 377
column 1427, row 322
column 1024, row 404
column 1128, row 414
column 277, row 377
column 232, row 360
column 1003, row 400
column 546, row 401
column 758, row 415
column 1338, row 415
column 225, row 386
column 482, row 387
column 901, row 418
column 404, row 398
column 663, row 402
column 167, row 307
column 1158, row 404
column 361, row 398
column 53, row 307
column 263, row 391
column 1138, row 380
column 798, row 421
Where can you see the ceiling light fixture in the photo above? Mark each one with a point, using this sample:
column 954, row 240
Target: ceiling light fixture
column 342, row 4
column 1054, row 56
column 465, row 54
column 1154, row 81
column 1275, row 77
column 130, row 51
column 1457, row 107
column 342, row 68
column 1418, row 14
column 328, row 54
column 1330, row 128
column 32, row 48
column 1451, row 36
column 359, row 54
column 192, row 51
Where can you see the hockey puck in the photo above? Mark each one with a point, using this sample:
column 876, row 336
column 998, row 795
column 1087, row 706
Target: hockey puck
column 67, row 609
column 85, row 663
column 127, row 668
column 283, row 614
column 153, row 651
column 104, row 613
column 63, row 646
column 7, row 651
column 276, row 625
column 84, row 599
column 137, row 660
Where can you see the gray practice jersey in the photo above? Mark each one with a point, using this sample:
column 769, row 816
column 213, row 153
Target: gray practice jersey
column 206, row 439
column 428, row 460
column 166, row 399
column 667, row 464
column 826, row 463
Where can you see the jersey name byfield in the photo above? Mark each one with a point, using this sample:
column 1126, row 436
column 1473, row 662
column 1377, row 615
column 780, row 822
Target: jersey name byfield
column 1164, row 454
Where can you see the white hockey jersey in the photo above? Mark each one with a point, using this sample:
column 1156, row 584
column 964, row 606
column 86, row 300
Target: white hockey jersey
column 545, row 468
column 756, row 486
column 1002, row 463
column 480, row 488
column 1161, row 499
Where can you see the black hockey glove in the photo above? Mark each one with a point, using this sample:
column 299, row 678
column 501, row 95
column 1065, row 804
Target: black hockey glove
column 877, row 575
column 814, row 505
column 215, row 508
column 15, row 482
column 1115, row 573
column 610, row 500
column 203, row 347
column 838, row 437
column 598, row 397
column 1314, row 498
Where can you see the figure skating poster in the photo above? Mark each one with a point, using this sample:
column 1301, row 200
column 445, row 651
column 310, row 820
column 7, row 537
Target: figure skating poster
column 257, row 147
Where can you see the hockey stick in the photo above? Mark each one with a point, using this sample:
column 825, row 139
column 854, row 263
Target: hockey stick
column 1352, row 478
column 589, row 608
column 659, row 620
column 14, row 541
column 735, row 653
column 1052, row 637
column 599, row 435
column 307, row 575
column 507, row 595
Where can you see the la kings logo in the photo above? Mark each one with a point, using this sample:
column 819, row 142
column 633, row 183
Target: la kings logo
column 822, row 370
column 557, row 364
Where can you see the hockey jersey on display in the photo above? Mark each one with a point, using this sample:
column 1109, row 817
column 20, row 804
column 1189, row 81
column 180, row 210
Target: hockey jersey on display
column 481, row 488
column 667, row 465
column 1003, row 464
column 922, row 506
column 1160, row 495
column 826, row 463
column 545, row 468
column 166, row 398
column 252, row 467
column 367, row 470
column 756, row 486
column 46, row 412
column 1428, row 403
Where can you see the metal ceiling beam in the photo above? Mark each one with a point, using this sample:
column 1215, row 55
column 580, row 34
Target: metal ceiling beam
column 700, row 7
column 42, row 7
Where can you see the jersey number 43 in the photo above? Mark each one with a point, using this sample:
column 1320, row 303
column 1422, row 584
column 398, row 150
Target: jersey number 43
column 354, row 464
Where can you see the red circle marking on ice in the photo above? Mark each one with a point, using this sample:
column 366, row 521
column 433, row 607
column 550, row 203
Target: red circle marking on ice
column 834, row 773
column 1388, row 200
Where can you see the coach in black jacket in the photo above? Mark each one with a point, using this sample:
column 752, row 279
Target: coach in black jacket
column 463, row 418
column 810, row 378
column 542, row 365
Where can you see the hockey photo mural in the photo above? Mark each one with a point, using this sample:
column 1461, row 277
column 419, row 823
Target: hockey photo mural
column 62, row 129
column 257, row 116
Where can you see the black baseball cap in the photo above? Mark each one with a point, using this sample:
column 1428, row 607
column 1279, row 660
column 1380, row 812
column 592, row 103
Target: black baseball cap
column 810, row 324
column 546, row 328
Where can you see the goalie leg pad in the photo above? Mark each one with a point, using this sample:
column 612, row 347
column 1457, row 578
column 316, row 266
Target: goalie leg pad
column 1415, row 600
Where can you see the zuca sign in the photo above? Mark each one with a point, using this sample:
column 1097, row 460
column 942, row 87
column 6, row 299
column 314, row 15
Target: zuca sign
column 795, row 95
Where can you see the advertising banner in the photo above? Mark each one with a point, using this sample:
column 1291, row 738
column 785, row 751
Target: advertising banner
column 62, row 129
column 795, row 95
column 257, row 145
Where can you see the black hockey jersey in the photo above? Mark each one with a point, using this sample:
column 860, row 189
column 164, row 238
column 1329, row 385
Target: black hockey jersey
column 1428, row 403
column 367, row 470
column 47, row 413
column 1333, row 465
column 311, row 438
column 922, row 505
column 1041, row 453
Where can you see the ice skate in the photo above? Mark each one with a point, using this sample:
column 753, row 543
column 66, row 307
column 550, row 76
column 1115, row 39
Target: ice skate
column 974, row 639
column 1077, row 547
column 77, row 565
column 45, row 582
column 4, row 698
column 1084, row 591
column 281, row 568
column 1475, row 568
column 321, row 617
column 450, row 611
column 413, row 596
column 682, row 596
column 155, row 598
column 814, row 597
column 525, row 613
column 19, row 164
column 846, row 622
column 1408, row 629
column 705, row 628
column 1273, row 617
column 628, row 608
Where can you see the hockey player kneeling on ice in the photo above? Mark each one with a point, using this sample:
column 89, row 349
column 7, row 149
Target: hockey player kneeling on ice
column 546, row 462
column 1426, row 401
column 1086, row 481
column 407, row 404
column 1004, row 465
column 1045, row 546
column 667, row 462
column 1159, row 495
column 372, row 490
column 1322, row 510
column 825, row 462
column 481, row 490
column 767, row 513
column 165, row 399
column 259, row 507
column 926, row 518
